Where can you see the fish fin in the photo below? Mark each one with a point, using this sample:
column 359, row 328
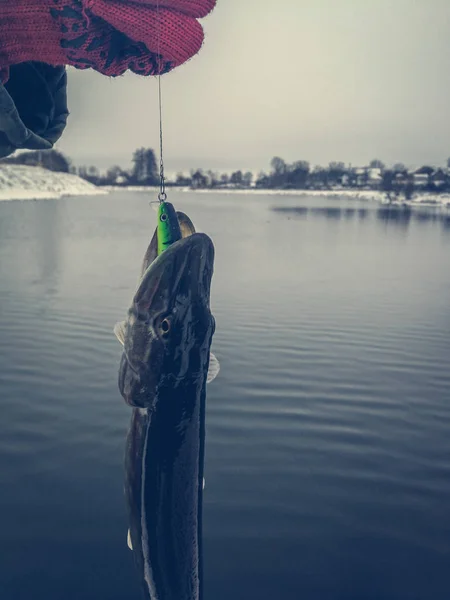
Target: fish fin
column 119, row 330
column 129, row 544
column 186, row 225
column 213, row 369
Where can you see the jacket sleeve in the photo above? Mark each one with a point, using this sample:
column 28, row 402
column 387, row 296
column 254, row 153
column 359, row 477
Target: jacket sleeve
column 33, row 107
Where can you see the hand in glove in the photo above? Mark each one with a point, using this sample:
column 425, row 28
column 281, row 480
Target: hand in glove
column 111, row 36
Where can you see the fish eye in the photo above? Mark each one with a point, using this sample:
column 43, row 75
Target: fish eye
column 163, row 217
column 165, row 327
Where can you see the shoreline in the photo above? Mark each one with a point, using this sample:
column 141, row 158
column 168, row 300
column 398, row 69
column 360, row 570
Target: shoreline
column 21, row 182
column 420, row 199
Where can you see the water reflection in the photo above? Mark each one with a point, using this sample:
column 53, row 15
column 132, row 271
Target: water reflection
column 333, row 399
column 400, row 217
column 37, row 230
column 47, row 235
column 331, row 212
column 397, row 216
column 292, row 211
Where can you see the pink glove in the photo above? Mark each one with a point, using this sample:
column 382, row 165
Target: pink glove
column 110, row 36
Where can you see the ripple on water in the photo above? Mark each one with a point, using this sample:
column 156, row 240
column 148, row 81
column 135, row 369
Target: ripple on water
column 327, row 458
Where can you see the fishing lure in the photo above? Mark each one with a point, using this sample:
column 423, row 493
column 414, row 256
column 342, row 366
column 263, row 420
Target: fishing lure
column 168, row 229
column 186, row 227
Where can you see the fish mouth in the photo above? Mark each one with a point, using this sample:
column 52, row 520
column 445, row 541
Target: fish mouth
column 184, row 269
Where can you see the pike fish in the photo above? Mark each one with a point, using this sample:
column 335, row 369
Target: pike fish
column 165, row 365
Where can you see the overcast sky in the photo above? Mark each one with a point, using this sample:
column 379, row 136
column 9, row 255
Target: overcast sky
column 318, row 80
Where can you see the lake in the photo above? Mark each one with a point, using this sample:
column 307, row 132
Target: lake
column 328, row 428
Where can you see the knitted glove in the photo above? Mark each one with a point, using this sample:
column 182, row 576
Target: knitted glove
column 38, row 124
column 111, row 36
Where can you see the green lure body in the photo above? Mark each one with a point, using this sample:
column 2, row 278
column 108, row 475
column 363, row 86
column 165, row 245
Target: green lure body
column 168, row 230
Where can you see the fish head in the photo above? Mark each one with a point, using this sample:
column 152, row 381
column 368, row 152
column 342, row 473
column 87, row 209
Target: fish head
column 186, row 228
column 168, row 333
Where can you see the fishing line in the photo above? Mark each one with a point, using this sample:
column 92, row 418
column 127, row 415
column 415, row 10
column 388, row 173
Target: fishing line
column 162, row 196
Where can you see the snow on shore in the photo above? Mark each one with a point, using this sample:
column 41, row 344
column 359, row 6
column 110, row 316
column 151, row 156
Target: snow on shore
column 19, row 182
column 419, row 199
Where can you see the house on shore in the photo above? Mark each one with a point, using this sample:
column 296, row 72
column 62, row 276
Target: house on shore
column 439, row 179
column 421, row 177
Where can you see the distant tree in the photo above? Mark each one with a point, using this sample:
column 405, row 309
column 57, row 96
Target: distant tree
column 213, row 178
column 409, row 187
column 182, row 180
column 263, row 180
column 318, row 178
column 82, row 172
column 399, row 168
column 300, row 165
column 145, row 171
column 224, row 179
column 93, row 175
column 90, row 174
column 198, row 179
column 376, row 164
column 387, row 181
column 278, row 165
column 278, row 175
column 448, row 163
column 55, row 161
column 113, row 174
column 236, row 178
column 47, row 159
column 298, row 172
column 336, row 167
column 138, row 164
column 247, row 178
column 336, row 170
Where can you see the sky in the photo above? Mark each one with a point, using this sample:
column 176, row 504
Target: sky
column 315, row 80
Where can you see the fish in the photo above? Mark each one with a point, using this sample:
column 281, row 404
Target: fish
column 187, row 228
column 165, row 366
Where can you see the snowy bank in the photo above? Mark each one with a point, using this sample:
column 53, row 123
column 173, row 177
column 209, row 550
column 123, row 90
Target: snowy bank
column 19, row 182
column 419, row 198
column 135, row 188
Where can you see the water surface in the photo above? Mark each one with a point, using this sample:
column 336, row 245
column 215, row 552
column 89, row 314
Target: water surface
column 328, row 446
